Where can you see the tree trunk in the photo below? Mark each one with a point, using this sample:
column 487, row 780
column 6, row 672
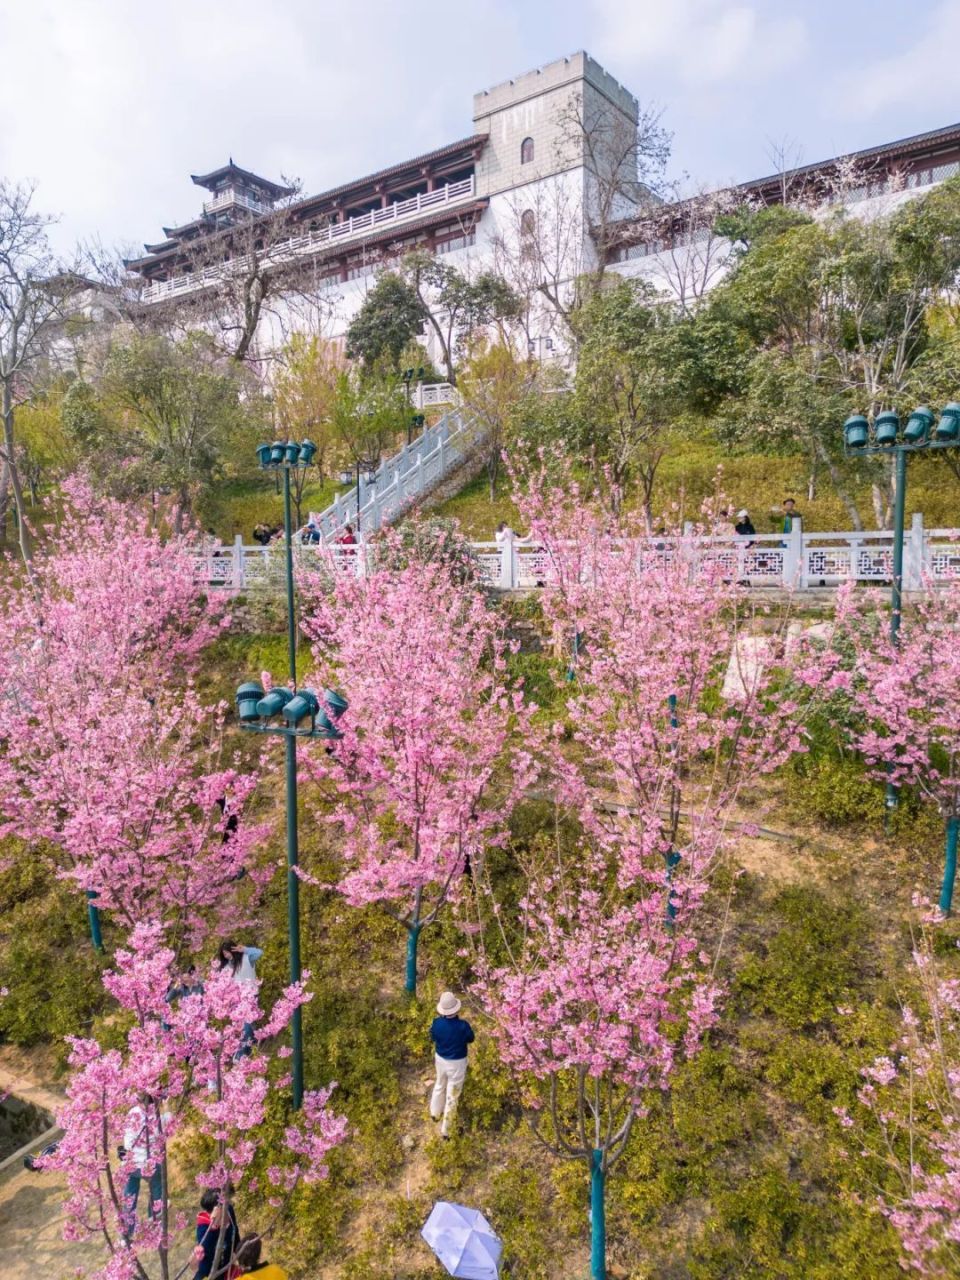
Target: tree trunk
column 23, row 533
column 183, row 506
column 252, row 306
column 4, row 499
column 840, row 489
column 598, row 1229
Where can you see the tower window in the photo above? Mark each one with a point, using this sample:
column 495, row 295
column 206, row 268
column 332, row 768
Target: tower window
column 528, row 223
column 526, row 151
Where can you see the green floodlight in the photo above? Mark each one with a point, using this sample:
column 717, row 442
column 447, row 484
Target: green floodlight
column 305, row 703
column 276, row 453
column 886, row 427
column 292, row 452
column 274, row 702
column 263, row 453
column 948, row 428
column 856, row 431
column 918, row 425
column 248, row 696
column 307, row 450
column 335, row 703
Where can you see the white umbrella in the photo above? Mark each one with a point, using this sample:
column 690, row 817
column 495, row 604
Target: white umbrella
column 463, row 1240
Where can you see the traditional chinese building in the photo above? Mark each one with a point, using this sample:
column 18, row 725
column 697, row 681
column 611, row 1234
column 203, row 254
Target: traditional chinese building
column 468, row 199
column 456, row 200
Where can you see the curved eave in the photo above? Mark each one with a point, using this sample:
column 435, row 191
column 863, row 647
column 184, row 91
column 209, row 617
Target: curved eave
column 209, row 180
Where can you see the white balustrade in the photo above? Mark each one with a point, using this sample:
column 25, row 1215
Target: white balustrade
column 312, row 241
column 796, row 561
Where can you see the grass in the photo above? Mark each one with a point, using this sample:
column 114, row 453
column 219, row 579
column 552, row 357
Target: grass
column 695, row 469
column 237, row 505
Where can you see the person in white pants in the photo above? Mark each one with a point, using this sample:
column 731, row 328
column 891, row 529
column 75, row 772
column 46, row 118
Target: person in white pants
column 451, row 1035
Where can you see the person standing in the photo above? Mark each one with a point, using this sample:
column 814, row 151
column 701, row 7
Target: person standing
column 242, row 962
column 790, row 513
column 451, row 1035
column 210, row 1223
column 744, row 526
column 144, row 1146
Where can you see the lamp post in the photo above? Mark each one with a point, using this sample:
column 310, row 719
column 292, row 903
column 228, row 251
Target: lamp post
column 368, row 466
column 887, row 441
column 302, row 716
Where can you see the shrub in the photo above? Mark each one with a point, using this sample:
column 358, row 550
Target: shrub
column 835, row 791
column 807, row 966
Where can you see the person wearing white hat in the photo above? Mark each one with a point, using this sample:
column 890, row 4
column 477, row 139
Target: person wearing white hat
column 450, row 1035
column 744, row 526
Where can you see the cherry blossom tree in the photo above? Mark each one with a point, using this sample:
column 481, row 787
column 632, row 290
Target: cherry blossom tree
column 184, row 1065
column 680, row 694
column 908, row 1122
column 907, row 696
column 109, row 757
column 585, row 1010
column 421, row 660
column 682, row 691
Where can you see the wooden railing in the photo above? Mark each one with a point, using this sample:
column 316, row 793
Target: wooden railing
column 311, row 241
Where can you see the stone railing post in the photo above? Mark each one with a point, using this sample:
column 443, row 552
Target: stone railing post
column 914, row 557
column 238, row 574
column 508, row 574
column 688, row 551
column 793, row 555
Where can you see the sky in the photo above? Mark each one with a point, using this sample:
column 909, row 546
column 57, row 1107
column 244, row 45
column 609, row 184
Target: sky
column 109, row 105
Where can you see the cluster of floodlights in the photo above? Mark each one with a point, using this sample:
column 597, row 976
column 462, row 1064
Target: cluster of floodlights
column 257, row 708
column 290, row 454
column 886, row 429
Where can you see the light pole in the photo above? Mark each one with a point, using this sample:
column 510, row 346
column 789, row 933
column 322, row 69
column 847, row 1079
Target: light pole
column 887, row 441
column 368, row 466
column 296, row 709
column 93, row 915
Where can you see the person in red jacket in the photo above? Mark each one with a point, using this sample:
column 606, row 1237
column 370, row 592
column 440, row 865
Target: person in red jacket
column 209, row 1224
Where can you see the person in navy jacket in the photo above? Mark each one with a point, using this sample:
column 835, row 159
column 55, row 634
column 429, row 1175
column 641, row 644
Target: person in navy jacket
column 451, row 1035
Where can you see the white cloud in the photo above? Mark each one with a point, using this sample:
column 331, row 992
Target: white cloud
column 705, row 43
column 925, row 72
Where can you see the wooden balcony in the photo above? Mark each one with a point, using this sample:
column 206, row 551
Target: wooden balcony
column 310, row 242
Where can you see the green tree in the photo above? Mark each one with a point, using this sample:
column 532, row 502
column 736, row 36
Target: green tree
column 164, row 417
column 455, row 306
column 495, row 387
column 390, row 317
column 43, row 446
column 368, row 415
column 838, row 313
column 304, row 391
column 642, row 367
